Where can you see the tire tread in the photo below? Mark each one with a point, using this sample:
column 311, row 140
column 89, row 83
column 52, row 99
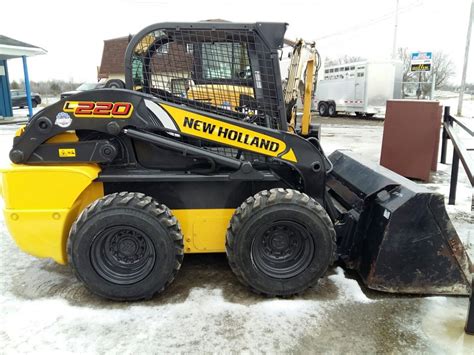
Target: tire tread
column 132, row 200
column 259, row 201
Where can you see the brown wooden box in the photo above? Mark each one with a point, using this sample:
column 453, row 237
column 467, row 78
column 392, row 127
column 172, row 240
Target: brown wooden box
column 411, row 137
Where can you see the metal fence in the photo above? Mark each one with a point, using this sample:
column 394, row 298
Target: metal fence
column 460, row 153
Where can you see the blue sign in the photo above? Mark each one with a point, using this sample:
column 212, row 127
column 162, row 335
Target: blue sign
column 421, row 56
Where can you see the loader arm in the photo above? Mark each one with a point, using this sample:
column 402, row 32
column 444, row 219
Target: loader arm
column 142, row 117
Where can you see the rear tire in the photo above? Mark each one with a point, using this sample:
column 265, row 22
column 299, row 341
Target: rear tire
column 280, row 242
column 323, row 109
column 332, row 110
column 34, row 103
column 125, row 246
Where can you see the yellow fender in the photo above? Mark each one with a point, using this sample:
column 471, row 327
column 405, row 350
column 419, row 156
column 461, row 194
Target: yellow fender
column 42, row 202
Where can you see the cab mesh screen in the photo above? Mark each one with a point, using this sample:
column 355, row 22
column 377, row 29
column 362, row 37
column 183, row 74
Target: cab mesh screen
column 228, row 72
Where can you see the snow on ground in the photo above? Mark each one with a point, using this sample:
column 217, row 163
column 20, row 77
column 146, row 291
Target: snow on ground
column 467, row 104
column 44, row 309
column 204, row 322
column 351, row 290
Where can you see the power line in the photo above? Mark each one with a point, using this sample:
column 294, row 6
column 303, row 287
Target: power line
column 374, row 21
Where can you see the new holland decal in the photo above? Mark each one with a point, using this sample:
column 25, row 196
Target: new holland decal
column 99, row 109
column 215, row 130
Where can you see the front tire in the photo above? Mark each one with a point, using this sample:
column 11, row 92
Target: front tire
column 280, row 242
column 126, row 246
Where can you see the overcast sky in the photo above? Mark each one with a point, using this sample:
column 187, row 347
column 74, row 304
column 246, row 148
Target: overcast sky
column 73, row 32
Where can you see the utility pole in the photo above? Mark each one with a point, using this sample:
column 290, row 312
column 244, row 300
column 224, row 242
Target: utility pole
column 394, row 48
column 466, row 56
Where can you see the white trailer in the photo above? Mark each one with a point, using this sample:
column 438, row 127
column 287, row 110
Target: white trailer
column 362, row 88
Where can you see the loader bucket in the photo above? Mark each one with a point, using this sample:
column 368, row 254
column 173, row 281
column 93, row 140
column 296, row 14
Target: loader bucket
column 395, row 233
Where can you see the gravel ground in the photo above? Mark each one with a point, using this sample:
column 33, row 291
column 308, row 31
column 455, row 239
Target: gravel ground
column 45, row 310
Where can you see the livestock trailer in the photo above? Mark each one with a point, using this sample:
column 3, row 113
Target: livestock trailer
column 362, row 88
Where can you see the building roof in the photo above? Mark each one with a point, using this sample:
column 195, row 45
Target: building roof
column 11, row 48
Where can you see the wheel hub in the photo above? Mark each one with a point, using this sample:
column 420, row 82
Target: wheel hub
column 282, row 250
column 123, row 254
column 127, row 246
column 279, row 241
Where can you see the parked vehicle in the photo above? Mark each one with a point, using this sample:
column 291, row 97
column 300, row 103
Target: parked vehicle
column 362, row 88
column 83, row 87
column 19, row 98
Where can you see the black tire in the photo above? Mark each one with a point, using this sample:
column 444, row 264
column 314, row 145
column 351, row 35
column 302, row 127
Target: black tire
column 369, row 115
column 125, row 246
column 115, row 84
column 280, row 242
column 323, row 109
column 34, row 103
column 332, row 110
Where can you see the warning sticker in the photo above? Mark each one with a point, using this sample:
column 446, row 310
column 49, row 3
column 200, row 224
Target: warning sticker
column 67, row 152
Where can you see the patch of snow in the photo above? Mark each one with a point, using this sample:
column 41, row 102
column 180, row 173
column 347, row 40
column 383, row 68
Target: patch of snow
column 349, row 289
column 204, row 322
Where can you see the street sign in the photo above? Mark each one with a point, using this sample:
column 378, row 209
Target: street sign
column 421, row 61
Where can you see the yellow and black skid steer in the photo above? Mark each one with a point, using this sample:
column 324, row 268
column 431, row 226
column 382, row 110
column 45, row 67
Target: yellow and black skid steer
column 195, row 156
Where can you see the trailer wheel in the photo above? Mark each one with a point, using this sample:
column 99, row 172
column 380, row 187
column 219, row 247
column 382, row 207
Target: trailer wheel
column 280, row 242
column 125, row 246
column 332, row 110
column 323, row 109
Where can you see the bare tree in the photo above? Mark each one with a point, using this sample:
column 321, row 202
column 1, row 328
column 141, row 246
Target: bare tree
column 443, row 67
column 405, row 56
column 14, row 85
column 50, row 87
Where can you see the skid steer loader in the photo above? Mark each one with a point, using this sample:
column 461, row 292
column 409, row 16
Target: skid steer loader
column 121, row 183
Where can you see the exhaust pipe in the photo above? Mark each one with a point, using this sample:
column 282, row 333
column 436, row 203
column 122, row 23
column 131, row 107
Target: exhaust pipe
column 395, row 233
